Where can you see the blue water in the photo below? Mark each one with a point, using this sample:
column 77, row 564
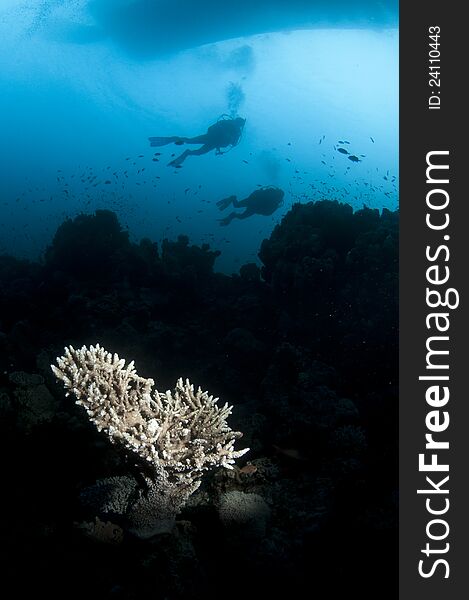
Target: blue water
column 84, row 83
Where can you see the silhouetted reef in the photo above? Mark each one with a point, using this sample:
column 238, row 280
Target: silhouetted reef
column 304, row 347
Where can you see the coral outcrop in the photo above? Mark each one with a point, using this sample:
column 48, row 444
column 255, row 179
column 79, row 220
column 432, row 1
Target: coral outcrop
column 180, row 434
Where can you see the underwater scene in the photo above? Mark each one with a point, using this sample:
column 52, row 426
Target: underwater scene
column 199, row 297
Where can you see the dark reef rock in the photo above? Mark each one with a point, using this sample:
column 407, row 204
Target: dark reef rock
column 190, row 261
column 335, row 275
column 315, row 240
column 250, row 272
column 89, row 246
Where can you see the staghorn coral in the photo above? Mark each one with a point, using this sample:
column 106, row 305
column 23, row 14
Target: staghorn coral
column 179, row 434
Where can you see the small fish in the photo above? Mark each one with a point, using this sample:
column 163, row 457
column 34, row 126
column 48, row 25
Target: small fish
column 323, row 162
column 372, row 139
column 140, row 156
column 289, row 452
column 157, row 154
column 353, row 158
column 345, row 142
column 289, row 144
column 186, row 190
column 178, row 166
column 288, row 159
column 156, row 159
column 245, row 161
column 342, row 150
column 248, row 469
column 107, row 182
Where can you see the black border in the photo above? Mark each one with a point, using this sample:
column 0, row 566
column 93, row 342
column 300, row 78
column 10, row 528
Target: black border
column 423, row 130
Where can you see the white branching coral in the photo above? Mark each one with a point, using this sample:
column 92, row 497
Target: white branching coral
column 180, row 434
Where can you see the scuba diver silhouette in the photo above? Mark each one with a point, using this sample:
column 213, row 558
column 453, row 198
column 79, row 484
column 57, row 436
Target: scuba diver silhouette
column 264, row 201
column 225, row 132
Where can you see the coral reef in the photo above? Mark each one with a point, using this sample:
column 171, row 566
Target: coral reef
column 304, row 344
column 103, row 531
column 335, row 275
column 248, row 512
column 77, row 243
column 36, row 404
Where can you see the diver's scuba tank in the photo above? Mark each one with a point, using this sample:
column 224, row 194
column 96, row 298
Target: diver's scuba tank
column 226, row 117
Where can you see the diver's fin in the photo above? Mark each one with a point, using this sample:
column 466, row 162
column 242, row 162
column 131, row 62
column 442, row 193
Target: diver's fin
column 162, row 141
column 177, row 162
column 227, row 220
column 222, row 204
